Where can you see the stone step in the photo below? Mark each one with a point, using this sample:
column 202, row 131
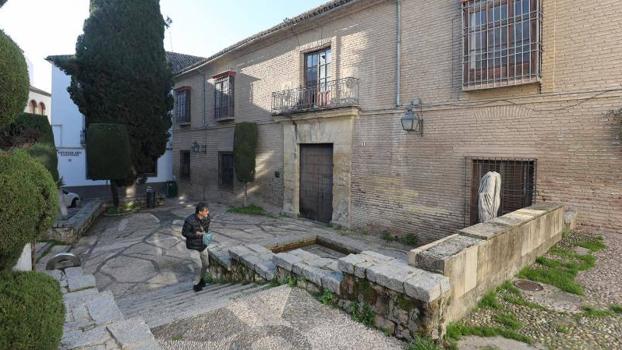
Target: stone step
column 180, row 302
column 41, row 248
column 43, row 260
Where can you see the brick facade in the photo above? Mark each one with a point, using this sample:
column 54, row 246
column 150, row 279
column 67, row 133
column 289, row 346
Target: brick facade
column 406, row 183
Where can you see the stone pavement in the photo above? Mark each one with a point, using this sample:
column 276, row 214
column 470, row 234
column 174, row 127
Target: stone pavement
column 142, row 252
column 278, row 318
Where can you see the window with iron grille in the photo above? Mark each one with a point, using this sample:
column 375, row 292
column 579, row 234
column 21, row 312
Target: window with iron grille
column 518, row 183
column 182, row 105
column 317, row 78
column 184, row 165
column 502, row 43
column 224, row 96
column 225, row 170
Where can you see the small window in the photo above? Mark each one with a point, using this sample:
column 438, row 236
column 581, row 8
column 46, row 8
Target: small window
column 224, row 95
column 152, row 170
column 225, row 170
column 184, row 165
column 518, row 183
column 182, row 105
column 501, row 42
column 42, row 108
column 33, row 106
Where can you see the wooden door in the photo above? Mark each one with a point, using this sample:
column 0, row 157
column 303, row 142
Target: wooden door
column 316, row 182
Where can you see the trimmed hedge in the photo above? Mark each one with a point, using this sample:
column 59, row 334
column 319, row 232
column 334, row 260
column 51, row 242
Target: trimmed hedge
column 32, row 312
column 14, row 81
column 28, row 203
column 108, row 152
column 45, row 153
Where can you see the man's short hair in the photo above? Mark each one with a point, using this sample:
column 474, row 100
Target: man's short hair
column 200, row 207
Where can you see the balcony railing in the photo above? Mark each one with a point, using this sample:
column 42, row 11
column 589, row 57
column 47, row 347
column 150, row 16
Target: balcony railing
column 337, row 93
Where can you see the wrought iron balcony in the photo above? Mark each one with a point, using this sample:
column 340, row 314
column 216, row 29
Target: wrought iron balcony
column 337, row 93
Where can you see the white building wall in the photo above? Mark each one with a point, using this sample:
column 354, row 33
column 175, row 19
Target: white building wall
column 67, row 124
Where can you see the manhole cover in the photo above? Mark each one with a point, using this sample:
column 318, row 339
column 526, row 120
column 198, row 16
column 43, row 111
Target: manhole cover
column 528, row 285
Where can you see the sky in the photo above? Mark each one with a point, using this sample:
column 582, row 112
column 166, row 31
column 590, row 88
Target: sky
column 200, row 27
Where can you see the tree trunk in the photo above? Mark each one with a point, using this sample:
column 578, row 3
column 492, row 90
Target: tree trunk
column 115, row 193
column 245, row 193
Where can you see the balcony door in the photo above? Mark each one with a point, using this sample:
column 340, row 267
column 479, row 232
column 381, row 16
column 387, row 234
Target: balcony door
column 317, row 78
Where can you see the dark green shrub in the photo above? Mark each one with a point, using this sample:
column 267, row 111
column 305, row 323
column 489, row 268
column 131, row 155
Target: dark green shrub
column 28, row 203
column 14, row 81
column 244, row 153
column 107, row 152
column 2, row 2
column 31, row 311
column 45, row 154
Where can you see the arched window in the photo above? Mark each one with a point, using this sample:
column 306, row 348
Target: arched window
column 42, row 108
column 33, row 106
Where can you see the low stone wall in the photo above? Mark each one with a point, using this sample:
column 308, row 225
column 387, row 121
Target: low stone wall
column 480, row 257
column 403, row 301
column 69, row 231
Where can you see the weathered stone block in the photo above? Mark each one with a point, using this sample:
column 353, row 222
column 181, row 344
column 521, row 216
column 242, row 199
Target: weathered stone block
column 312, row 274
column 346, row 264
column 103, row 309
column 286, row 260
column 133, row 334
column 260, row 250
column 426, row 286
column 360, row 269
column 332, row 282
column 384, row 324
column 77, row 283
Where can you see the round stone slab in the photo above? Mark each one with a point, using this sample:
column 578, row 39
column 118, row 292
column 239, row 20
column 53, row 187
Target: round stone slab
column 528, row 285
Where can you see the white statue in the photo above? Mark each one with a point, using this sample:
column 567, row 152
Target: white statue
column 489, row 196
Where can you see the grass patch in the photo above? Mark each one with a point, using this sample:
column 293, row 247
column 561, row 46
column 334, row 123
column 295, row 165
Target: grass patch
column 508, row 321
column 292, row 281
column 594, row 244
column 489, row 301
column 561, row 272
column 408, row 239
column 423, row 343
column 362, row 313
column 562, row 329
column 177, row 337
column 590, row 311
column 455, row 331
column 249, row 210
column 327, row 297
column 617, row 308
column 124, row 208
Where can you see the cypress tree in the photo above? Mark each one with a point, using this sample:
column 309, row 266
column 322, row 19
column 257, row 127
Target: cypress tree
column 120, row 75
column 244, row 153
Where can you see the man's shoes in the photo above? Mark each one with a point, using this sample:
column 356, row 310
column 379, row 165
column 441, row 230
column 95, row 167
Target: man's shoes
column 199, row 286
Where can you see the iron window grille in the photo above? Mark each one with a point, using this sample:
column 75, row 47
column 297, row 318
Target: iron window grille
column 501, row 42
column 224, row 89
column 518, row 184
column 182, row 105
column 184, row 165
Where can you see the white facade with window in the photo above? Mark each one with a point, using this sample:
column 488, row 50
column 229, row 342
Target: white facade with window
column 68, row 124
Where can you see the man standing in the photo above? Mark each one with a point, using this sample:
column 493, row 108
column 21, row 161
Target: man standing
column 195, row 226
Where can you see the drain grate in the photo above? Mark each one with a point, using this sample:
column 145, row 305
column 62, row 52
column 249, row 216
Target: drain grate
column 528, row 285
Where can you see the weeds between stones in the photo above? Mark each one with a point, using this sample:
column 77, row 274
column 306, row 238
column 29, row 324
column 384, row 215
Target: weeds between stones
column 422, row 343
column 362, row 313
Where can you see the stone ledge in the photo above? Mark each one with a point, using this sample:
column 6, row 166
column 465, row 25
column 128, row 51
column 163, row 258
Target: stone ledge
column 72, row 229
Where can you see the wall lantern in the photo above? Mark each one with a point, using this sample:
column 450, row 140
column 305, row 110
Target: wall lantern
column 412, row 119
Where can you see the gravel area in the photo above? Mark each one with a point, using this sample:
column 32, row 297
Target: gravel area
column 571, row 329
column 603, row 283
column 279, row 318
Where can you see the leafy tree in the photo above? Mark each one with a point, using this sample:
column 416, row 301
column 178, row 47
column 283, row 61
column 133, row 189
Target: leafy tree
column 14, row 80
column 120, row 75
column 244, row 153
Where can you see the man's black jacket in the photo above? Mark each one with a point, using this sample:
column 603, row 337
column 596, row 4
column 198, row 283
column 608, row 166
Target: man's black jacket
column 192, row 226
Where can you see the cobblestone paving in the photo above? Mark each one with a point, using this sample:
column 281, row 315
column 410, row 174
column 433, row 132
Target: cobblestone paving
column 572, row 329
column 279, row 318
column 144, row 251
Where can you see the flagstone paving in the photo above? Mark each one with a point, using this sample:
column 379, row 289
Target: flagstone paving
column 141, row 252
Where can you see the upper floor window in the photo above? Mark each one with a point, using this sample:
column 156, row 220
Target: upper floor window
column 42, row 108
column 317, row 69
column 182, row 104
column 501, row 42
column 33, row 106
column 224, row 95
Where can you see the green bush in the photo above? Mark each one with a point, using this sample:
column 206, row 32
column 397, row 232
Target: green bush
column 28, row 203
column 31, row 311
column 14, row 81
column 244, row 148
column 45, row 154
column 2, row 2
column 108, row 152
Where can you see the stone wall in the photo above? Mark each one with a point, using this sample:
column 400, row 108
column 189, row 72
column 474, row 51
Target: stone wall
column 70, row 231
column 481, row 257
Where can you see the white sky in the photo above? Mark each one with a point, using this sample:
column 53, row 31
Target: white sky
column 200, row 27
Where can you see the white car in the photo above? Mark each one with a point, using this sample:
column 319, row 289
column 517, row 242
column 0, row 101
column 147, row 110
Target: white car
column 71, row 199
